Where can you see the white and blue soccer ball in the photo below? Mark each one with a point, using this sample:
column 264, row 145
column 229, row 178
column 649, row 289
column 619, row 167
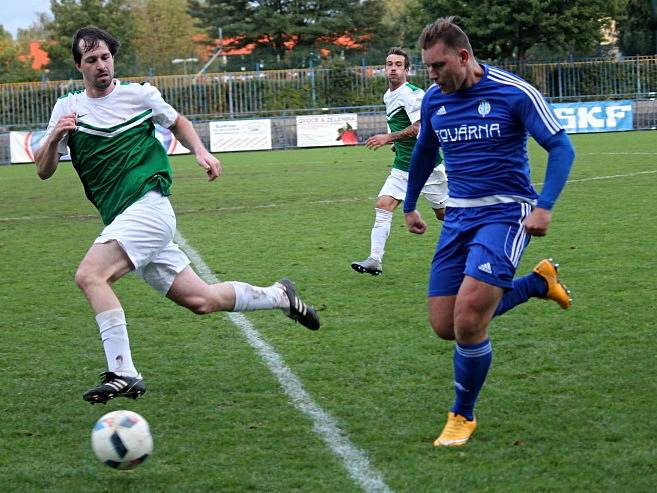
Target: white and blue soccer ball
column 122, row 439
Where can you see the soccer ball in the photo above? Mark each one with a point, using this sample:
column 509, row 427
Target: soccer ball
column 122, row 439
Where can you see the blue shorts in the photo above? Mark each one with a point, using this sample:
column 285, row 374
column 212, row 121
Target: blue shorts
column 485, row 242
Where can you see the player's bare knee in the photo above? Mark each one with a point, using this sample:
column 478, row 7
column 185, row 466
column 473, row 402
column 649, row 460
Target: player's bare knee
column 85, row 278
column 442, row 328
column 469, row 325
column 443, row 332
column 386, row 203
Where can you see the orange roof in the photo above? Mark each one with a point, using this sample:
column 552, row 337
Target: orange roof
column 38, row 56
column 345, row 41
column 248, row 49
column 207, row 51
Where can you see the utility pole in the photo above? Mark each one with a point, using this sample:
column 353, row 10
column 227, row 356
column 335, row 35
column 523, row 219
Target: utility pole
column 214, row 56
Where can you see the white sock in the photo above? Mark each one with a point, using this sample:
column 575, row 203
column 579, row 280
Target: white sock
column 249, row 298
column 114, row 333
column 380, row 233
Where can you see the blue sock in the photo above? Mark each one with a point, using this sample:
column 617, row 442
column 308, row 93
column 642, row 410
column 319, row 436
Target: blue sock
column 523, row 288
column 471, row 364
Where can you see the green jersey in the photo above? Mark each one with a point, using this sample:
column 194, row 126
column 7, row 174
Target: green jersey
column 114, row 148
column 402, row 110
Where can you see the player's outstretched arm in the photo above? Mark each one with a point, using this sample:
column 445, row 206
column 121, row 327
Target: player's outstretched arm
column 47, row 156
column 380, row 140
column 185, row 133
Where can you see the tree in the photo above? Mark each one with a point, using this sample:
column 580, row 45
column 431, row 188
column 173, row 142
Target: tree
column 283, row 25
column 36, row 32
column 638, row 28
column 12, row 67
column 509, row 29
column 165, row 31
column 114, row 16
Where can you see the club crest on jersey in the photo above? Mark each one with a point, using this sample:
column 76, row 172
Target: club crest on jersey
column 484, row 107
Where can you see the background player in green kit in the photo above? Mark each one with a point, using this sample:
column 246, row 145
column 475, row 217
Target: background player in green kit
column 403, row 101
column 125, row 172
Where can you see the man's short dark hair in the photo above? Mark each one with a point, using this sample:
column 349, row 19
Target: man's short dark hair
column 91, row 36
column 396, row 50
column 445, row 30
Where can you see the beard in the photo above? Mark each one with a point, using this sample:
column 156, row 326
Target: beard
column 103, row 84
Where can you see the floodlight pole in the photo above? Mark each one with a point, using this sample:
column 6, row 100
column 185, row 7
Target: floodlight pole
column 311, row 65
column 214, row 56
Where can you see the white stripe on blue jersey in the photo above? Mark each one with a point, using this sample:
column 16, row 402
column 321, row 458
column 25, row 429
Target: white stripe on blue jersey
column 541, row 106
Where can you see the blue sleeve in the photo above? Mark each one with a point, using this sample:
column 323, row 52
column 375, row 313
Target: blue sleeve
column 536, row 115
column 560, row 159
column 539, row 119
column 423, row 159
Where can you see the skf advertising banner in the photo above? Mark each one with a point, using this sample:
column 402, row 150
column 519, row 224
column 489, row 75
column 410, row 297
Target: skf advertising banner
column 25, row 144
column 240, row 135
column 601, row 116
column 327, row 130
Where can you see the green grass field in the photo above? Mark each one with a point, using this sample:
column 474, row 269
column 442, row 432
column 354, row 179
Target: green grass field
column 569, row 404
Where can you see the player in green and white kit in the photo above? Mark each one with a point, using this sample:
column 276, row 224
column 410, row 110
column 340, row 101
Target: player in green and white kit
column 403, row 101
column 125, row 172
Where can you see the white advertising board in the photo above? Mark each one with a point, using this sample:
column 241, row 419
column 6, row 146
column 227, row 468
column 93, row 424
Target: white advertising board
column 327, row 130
column 240, row 135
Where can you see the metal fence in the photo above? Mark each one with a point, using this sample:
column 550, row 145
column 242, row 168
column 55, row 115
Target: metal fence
column 298, row 91
column 284, row 128
column 632, row 78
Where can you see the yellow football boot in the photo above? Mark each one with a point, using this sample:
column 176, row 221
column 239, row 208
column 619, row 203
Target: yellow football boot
column 457, row 431
column 557, row 291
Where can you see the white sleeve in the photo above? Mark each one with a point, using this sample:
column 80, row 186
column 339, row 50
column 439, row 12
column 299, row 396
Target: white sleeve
column 163, row 113
column 57, row 112
column 413, row 103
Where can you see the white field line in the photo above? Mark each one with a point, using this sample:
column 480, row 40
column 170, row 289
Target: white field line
column 355, row 460
column 619, row 153
column 316, row 202
column 611, row 177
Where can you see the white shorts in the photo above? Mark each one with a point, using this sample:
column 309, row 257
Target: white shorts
column 434, row 190
column 145, row 232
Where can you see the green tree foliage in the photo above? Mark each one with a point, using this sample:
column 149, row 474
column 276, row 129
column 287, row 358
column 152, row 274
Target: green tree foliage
column 12, row 67
column 114, row 16
column 308, row 24
column 638, row 28
column 36, row 32
column 164, row 32
column 509, row 29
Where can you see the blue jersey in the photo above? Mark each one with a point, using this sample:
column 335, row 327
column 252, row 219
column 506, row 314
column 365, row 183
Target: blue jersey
column 483, row 132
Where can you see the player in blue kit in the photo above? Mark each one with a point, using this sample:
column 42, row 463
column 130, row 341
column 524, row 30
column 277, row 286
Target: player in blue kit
column 480, row 117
